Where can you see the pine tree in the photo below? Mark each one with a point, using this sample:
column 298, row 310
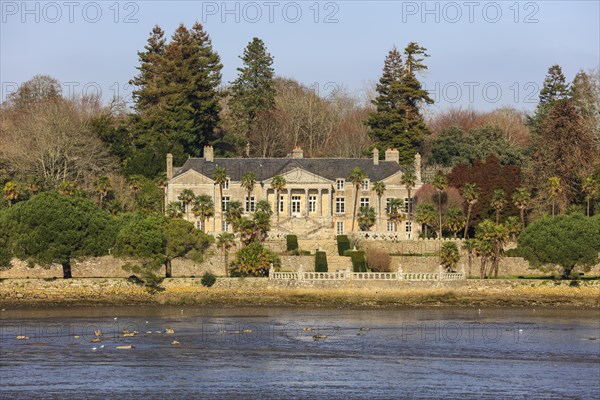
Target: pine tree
column 555, row 88
column 397, row 121
column 148, row 92
column 253, row 91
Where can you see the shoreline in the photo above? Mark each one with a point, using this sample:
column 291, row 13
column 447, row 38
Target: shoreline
column 259, row 292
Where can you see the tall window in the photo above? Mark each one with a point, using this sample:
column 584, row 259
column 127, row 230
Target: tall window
column 340, row 228
column 295, row 204
column 224, row 203
column 199, row 225
column 340, row 205
column 365, row 184
column 339, row 184
column 281, row 197
column 226, row 184
column 312, row 204
column 364, row 202
column 390, row 226
column 387, row 204
column 408, row 229
column 250, row 204
column 224, row 226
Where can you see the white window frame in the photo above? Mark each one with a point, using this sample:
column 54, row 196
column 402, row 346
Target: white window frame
column 312, row 203
column 226, row 184
column 340, row 184
column 340, row 205
column 366, row 184
column 387, row 204
column 250, row 204
column 225, row 203
column 364, row 202
column 224, row 226
column 281, row 203
column 340, row 227
column 199, row 225
column 408, row 229
column 390, row 226
column 296, row 204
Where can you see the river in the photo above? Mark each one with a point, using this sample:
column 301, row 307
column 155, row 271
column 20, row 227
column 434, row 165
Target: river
column 213, row 353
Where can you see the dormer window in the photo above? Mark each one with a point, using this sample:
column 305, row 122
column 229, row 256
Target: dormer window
column 340, row 184
column 365, row 184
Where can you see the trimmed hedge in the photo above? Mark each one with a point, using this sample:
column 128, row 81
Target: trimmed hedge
column 320, row 261
column 291, row 242
column 343, row 244
column 359, row 261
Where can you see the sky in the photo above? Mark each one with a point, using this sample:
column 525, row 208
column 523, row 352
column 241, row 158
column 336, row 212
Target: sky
column 483, row 54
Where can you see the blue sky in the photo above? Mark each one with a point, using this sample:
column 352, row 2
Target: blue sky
column 483, row 54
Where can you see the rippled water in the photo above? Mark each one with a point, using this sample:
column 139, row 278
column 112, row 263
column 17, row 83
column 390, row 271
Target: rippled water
column 271, row 353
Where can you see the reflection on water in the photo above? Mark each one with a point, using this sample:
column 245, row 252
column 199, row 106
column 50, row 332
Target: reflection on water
column 298, row 352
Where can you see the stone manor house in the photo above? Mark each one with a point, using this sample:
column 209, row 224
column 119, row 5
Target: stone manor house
column 318, row 198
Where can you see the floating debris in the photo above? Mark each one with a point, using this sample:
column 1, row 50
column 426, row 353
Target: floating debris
column 96, row 340
column 169, row 331
column 360, row 334
column 320, row 337
column 22, row 337
column 76, row 337
column 247, row 331
column 149, row 332
column 157, row 332
column 174, row 342
column 308, row 329
column 129, row 334
column 125, row 347
column 364, row 328
column 98, row 332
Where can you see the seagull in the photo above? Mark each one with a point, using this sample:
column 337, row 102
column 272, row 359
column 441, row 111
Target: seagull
column 115, row 318
column 93, row 348
column 146, row 321
column 102, row 346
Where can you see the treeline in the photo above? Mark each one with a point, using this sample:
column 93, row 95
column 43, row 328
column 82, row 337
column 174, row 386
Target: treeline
column 116, row 155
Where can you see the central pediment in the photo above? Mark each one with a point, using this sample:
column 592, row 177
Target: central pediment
column 299, row 175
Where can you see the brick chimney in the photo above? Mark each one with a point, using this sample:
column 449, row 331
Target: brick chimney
column 169, row 166
column 392, row 155
column 209, row 153
column 297, row 152
column 375, row 156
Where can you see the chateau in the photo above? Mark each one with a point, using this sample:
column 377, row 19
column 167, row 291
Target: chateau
column 318, row 198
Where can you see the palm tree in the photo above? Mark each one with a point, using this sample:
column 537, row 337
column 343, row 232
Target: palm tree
column 262, row 219
column 394, row 212
column 440, row 183
column 278, row 184
column 366, row 218
column 554, row 189
column 426, row 215
column 449, row 256
column 67, row 188
column 514, row 226
column 162, row 182
column 357, row 177
column 102, row 187
column 498, row 202
column 233, row 214
column 174, row 210
column 135, row 184
column 204, row 208
column 409, row 180
column 469, row 245
column 491, row 239
column 379, row 189
column 455, row 220
column 11, row 192
column 471, row 194
column 247, row 182
column 186, row 197
column 589, row 188
column 225, row 242
column 521, row 198
column 220, row 178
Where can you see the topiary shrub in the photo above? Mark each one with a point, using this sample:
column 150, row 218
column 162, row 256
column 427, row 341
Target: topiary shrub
column 208, row 279
column 320, row 261
column 343, row 244
column 291, row 243
column 359, row 262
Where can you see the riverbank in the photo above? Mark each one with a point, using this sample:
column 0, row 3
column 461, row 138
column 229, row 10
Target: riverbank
column 262, row 292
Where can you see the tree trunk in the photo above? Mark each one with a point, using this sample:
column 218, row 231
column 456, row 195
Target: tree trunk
column 226, row 263
column 67, row 270
column 469, row 262
column 567, row 271
column 497, row 216
column 588, row 207
column 425, row 231
column 168, row 269
column 522, row 214
column 277, row 204
column 355, row 201
column 469, row 209
column 482, row 267
column 440, row 212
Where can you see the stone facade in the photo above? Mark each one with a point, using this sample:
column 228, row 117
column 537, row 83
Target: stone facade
column 318, row 198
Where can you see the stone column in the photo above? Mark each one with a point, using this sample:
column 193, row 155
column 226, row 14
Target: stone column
column 306, row 202
column 289, row 202
column 320, row 203
column 331, row 202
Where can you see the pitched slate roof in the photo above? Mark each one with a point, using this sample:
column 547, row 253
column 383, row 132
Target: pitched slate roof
column 266, row 168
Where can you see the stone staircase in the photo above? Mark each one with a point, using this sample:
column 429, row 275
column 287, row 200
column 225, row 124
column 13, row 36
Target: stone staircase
column 305, row 227
column 334, row 261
